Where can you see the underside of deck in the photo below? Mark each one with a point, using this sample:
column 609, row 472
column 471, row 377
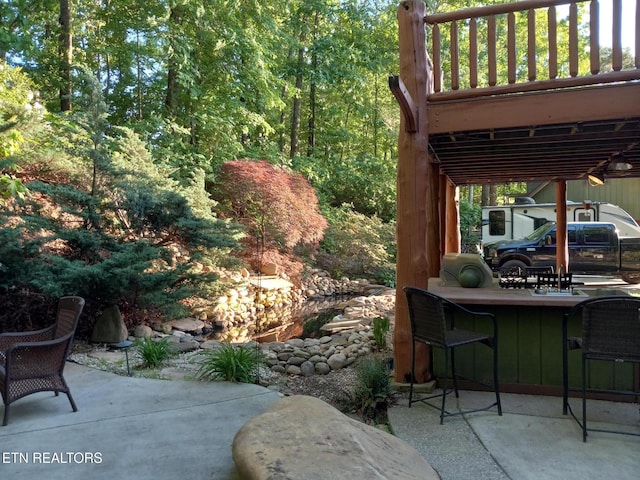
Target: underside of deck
column 560, row 134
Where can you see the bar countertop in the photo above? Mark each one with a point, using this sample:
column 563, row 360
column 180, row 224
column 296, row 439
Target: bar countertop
column 495, row 295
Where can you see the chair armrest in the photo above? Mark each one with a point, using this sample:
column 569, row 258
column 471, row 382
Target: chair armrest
column 11, row 338
column 7, row 340
column 32, row 359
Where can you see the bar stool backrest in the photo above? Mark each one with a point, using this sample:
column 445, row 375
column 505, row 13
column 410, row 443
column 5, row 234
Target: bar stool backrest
column 427, row 314
column 611, row 328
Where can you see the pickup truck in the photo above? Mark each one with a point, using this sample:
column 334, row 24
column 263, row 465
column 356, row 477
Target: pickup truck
column 594, row 248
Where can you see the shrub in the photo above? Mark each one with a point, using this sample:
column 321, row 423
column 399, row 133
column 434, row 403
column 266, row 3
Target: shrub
column 231, row 363
column 106, row 229
column 356, row 245
column 152, row 352
column 373, row 389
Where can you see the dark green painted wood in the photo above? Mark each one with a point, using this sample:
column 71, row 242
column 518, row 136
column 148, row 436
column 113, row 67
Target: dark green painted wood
column 530, row 351
column 508, row 348
column 551, row 345
column 529, row 346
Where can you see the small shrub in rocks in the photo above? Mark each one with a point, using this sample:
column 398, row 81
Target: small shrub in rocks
column 152, row 352
column 372, row 392
column 238, row 363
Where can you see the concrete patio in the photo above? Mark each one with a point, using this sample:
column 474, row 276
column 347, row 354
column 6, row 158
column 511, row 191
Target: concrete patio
column 136, row 428
column 531, row 440
column 128, row 428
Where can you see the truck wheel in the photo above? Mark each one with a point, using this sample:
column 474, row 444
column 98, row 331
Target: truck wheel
column 632, row 278
column 514, row 264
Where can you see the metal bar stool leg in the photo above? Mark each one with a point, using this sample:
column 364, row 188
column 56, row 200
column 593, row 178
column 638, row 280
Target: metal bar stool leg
column 496, row 386
column 444, row 385
column 413, row 372
column 584, row 399
column 453, row 372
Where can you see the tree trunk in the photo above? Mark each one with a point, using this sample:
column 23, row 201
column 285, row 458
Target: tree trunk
column 297, row 105
column 171, row 99
column 282, row 138
column 65, row 47
column 312, row 93
column 139, row 75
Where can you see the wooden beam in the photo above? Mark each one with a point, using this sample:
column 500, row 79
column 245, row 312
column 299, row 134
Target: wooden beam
column 543, row 108
column 594, row 81
column 407, row 106
column 413, row 196
column 451, row 206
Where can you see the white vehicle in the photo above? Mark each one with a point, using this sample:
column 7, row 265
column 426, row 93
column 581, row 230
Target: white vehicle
column 517, row 220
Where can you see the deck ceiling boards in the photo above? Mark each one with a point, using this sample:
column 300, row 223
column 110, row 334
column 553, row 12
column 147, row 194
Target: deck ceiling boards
column 550, row 152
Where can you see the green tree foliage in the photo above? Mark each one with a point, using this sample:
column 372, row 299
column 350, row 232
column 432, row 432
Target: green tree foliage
column 470, row 219
column 278, row 206
column 16, row 105
column 19, row 115
column 106, row 228
column 216, row 81
column 356, row 244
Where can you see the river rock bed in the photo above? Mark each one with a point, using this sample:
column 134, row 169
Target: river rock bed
column 349, row 335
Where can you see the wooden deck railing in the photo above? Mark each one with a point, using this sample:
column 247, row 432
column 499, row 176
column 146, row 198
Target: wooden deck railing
column 485, row 28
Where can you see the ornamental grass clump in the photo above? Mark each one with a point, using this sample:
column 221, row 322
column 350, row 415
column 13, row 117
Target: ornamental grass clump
column 232, row 363
column 152, row 352
column 372, row 392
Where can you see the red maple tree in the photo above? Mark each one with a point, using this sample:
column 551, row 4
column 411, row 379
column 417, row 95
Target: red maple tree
column 278, row 206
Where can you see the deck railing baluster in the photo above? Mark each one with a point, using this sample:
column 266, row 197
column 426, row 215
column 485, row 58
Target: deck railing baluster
column 491, row 40
column 637, row 26
column 473, row 53
column 552, row 26
column 437, row 59
column 616, row 38
column 594, row 42
column 511, row 48
column 573, row 40
column 489, row 20
column 531, row 44
column 455, row 57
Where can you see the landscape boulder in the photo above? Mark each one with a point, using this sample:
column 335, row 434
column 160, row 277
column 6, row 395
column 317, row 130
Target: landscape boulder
column 303, row 438
column 109, row 327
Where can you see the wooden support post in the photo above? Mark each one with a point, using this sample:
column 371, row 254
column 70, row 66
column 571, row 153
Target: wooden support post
column 562, row 244
column 452, row 217
column 417, row 224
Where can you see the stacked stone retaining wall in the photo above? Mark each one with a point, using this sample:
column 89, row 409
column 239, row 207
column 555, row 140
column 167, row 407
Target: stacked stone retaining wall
column 254, row 305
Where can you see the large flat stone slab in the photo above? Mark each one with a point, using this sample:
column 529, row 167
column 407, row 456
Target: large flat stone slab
column 303, row 438
column 186, row 324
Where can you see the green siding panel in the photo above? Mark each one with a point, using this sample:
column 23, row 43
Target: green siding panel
column 530, row 352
